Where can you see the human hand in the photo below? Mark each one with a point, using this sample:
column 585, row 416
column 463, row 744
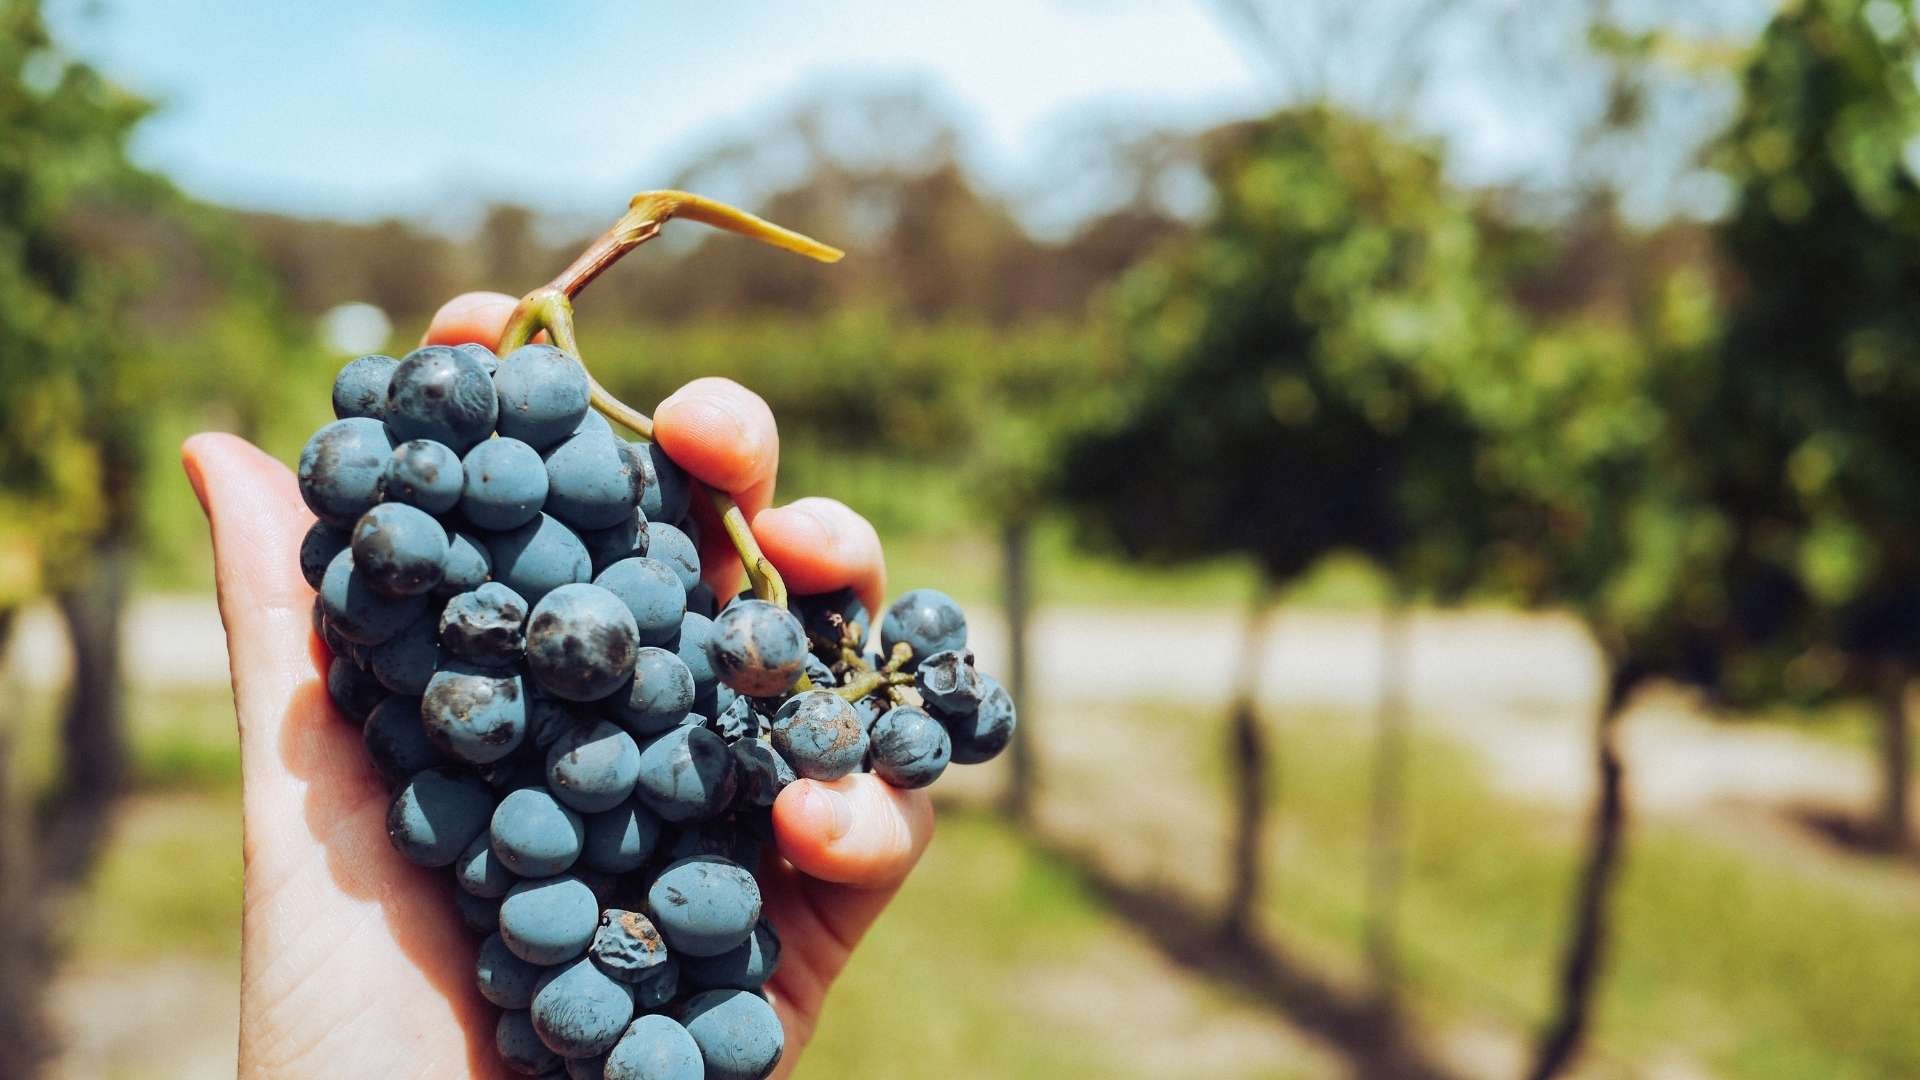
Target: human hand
column 353, row 961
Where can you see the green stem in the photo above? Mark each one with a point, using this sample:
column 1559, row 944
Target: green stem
column 767, row 584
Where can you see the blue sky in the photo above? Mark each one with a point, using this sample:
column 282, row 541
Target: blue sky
column 359, row 109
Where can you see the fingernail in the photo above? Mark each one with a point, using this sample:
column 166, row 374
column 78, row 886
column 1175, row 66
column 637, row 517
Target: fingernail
column 831, row 809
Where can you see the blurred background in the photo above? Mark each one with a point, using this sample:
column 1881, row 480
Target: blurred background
column 1442, row 477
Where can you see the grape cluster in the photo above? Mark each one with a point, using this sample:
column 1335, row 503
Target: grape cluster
column 568, row 722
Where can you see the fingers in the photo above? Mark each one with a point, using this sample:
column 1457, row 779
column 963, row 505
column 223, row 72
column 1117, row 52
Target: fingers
column 820, row 545
column 254, row 509
column 724, row 434
column 857, row 830
column 475, row 317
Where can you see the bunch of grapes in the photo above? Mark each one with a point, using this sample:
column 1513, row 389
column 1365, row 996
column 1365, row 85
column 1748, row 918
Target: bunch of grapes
column 572, row 724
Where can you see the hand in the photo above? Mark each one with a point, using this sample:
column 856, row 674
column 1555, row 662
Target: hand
column 353, row 961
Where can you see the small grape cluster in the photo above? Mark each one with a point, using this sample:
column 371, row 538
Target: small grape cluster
column 512, row 597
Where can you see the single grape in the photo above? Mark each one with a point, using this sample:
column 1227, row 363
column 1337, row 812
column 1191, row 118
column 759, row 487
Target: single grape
column 353, row 691
column 757, row 648
column 581, row 642
column 626, row 539
column 910, row 748
column 399, row 550
column 520, row 1047
column 831, row 620
column 444, row 394
column 658, row 988
column 736, row 720
column 475, row 714
column 686, row 775
column 652, row 592
column 657, row 697
column 360, row 612
column 705, row 905
column 361, row 387
column 337, row 646
column 700, row 600
column 482, row 356
column 397, row 742
column 820, row 735
column 477, row 913
column 318, row 548
column 543, row 395
column 579, row 1010
column 691, row 648
column 627, row 945
column 405, row 662
column 436, row 814
column 675, row 548
column 746, row 966
column 425, row 474
column 534, row 834
column 538, row 557
column 340, row 469
column 665, row 490
column 505, row 484
column 593, row 421
column 926, row 619
column 654, row 1047
column 588, row 1068
column 590, row 483
column 983, row 735
column 549, row 921
column 764, row 774
column 487, row 626
column 480, row 870
column 511, row 773
column 619, row 840
column 870, row 709
column 505, row 979
column 738, row 1034
column 593, row 768
column 468, row 565
column 948, row 682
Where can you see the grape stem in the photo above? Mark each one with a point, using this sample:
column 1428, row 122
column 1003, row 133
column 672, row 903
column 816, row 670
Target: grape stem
column 550, row 308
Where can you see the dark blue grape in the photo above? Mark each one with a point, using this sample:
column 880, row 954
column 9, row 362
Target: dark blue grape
column 360, row 613
column 738, row 1034
column 549, row 921
column 691, row 648
column 361, row 387
column 590, row 483
column 477, row 913
column 481, row 355
column 534, row 834
column 700, row 600
column 319, row 547
column 593, row 768
column 468, row 565
column 538, row 557
column 662, row 986
column 666, row 490
column 505, row 979
column 926, row 619
column 704, row 905
column 400, row 549
column 487, row 626
column 659, row 695
column 475, row 714
column 871, row 708
column 652, row 593
column 405, row 662
column 425, row 474
column 757, row 648
column 675, row 548
column 353, row 691
column 579, row 1011
column 588, row 1068
column 520, row 1047
column 736, row 720
column 981, row 736
column 505, row 485
column 543, row 395
column 686, row 775
column 436, row 814
column 480, row 870
column 513, row 772
column 910, row 748
column 626, row 539
column 549, row 719
column 443, row 394
column 397, row 741
column 746, row 966
column 340, row 469
column 581, row 642
column 831, row 619
column 817, row 671
column 947, row 681
column 820, row 735
column 764, row 774
column 654, row 1047
column 621, row 839
column 627, row 945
